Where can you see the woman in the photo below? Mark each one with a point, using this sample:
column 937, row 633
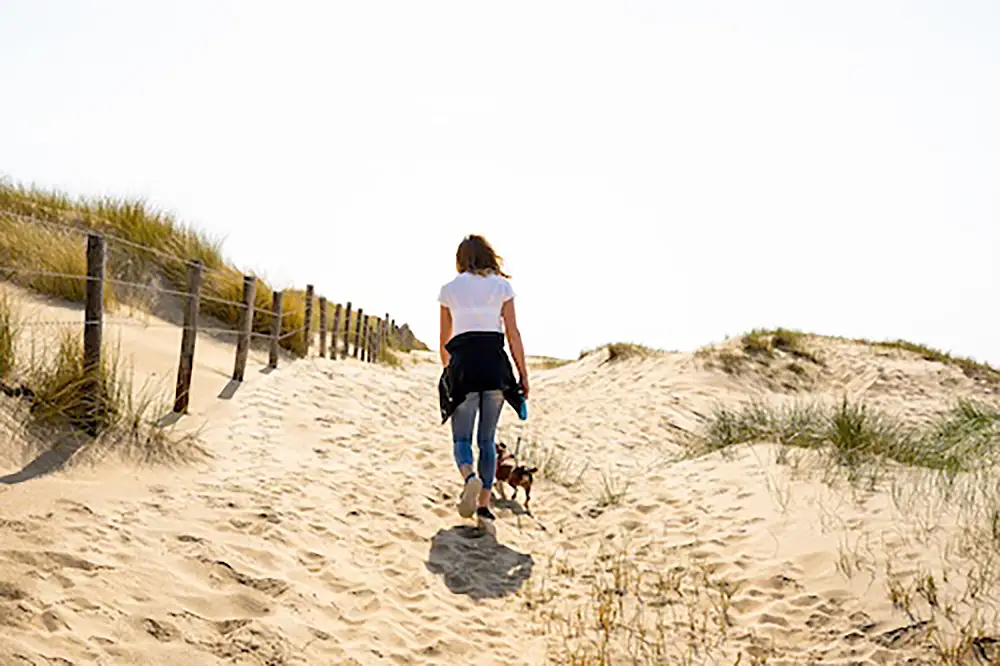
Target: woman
column 477, row 308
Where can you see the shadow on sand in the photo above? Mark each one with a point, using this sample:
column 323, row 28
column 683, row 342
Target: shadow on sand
column 48, row 461
column 475, row 564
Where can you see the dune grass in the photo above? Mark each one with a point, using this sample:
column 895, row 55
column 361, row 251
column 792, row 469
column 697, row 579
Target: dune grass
column 621, row 351
column 554, row 463
column 54, row 385
column 762, row 344
column 961, row 439
column 634, row 613
column 970, row 367
column 59, row 387
column 59, row 249
column 766, row 341
column 547, row 362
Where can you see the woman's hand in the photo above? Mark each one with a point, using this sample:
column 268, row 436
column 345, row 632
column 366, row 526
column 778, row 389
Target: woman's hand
column 514, row 339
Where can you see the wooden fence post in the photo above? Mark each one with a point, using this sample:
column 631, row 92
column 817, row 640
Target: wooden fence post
column 276, row 304
column 335, row 333
column 357, row 331
column 347, row 331
column 185, row 367
column 246, row 327
column 310, row 291
column 384, row 345
column 322, row 326
column 93, row 326
column 365, row 340
column 372, row 327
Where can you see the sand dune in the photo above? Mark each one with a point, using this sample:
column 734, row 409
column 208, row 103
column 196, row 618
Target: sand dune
column 321, row 527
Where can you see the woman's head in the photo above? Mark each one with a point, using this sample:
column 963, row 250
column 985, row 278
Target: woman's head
column 475, row 255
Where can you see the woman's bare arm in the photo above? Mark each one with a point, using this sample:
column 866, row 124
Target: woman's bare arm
column 514, row 339
column 445, row 333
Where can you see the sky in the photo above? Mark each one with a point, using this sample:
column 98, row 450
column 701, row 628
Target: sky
column 659, row 172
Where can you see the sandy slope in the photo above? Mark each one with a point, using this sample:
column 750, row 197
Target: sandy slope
column 323, row 531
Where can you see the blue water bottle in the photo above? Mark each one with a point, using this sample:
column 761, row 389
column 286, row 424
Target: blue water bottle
column 523, row 411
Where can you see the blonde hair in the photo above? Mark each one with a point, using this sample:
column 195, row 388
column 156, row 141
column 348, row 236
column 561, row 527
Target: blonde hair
column 475, row 255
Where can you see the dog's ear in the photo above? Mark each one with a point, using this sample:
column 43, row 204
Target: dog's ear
column 531, row 470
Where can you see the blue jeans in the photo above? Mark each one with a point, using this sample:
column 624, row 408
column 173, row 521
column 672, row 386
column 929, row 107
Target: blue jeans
column 489, row 405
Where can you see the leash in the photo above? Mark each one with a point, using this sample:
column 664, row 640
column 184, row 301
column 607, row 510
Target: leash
column 517, row 450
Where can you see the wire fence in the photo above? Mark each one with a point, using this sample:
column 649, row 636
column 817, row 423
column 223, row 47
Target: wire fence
column 101, row 264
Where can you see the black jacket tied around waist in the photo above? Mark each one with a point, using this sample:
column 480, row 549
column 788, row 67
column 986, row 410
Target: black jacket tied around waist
column 478, row 362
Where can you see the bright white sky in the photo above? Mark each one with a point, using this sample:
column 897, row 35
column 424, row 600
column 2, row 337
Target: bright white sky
column 659, row 172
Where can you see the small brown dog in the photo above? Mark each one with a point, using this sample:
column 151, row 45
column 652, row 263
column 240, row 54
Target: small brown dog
column 516, row 476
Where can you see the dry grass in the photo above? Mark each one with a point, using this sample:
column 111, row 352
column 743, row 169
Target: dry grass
column 547, row 362
column 58, row 410
column 621, row 351
column 635, row 613
column 390, row 358
column 613, row 489
column 970, row 367
column 53, row 386
column 765, row 342
column 759, row 349
column 52, row 249
column 553, row 463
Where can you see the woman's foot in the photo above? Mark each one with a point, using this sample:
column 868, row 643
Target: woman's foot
column 470, row 496
column 485, row 520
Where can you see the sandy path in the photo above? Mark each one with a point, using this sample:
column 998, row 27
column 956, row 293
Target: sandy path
column 324, row 532
column 320, row 535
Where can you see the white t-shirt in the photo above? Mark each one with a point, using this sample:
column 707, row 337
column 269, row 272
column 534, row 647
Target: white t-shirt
column 475, row 302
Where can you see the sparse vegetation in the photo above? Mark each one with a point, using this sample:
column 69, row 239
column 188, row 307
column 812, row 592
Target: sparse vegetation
column 970, row 367
column 547, row 362
column 620, row 351
column 553, row 464
column 637, row 613
column 388, row 357
column 855, row 433
column 613, row 489
column 945, row 483
column 52, row 386
column 765, row 342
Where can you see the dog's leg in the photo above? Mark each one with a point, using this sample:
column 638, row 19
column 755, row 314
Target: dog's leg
column 527, row 499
